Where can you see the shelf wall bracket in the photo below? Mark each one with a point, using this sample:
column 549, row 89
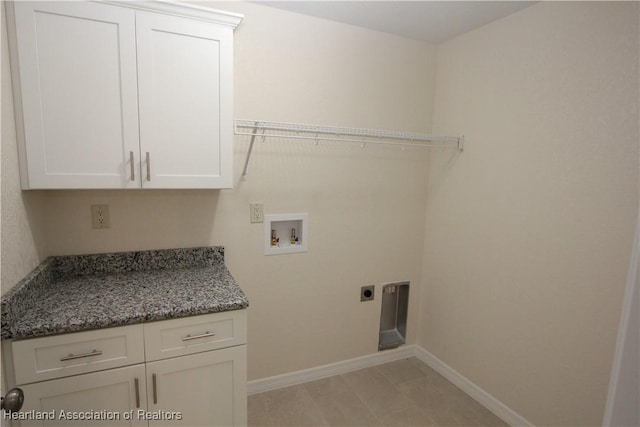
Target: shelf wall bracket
column 246, row 162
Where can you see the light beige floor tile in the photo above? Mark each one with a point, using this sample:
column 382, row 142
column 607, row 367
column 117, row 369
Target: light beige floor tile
column 431, row 399
column 401, row 371
column 345, row 409
column 424, row 392
column 257, row 410
column 410, row 417
column 491, row 420
column 434, row 380
column 447, row 404
column 292, row 406
column 401, row 393
column 472, row 413
column 365, row 378
column 377, row 392
column 422, row 366
column 326, row 386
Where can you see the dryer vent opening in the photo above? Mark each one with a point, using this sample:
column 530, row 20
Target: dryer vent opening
column 393, row 315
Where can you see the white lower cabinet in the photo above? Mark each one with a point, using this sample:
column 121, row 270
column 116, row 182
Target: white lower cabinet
column 197, row 381
column 206, row 388
column 75, row 400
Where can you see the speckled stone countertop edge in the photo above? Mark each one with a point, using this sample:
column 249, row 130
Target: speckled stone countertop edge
column 24, row 293
column 156, row 317
column 227, row 295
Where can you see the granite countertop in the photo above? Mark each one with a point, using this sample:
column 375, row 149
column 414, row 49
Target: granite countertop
column 77, row 293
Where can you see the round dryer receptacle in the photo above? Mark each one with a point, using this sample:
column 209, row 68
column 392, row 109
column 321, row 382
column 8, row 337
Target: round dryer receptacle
column 367, row 293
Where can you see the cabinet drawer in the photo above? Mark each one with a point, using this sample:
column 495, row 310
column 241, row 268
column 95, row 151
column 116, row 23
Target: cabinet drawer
column 178, row 337
column 58, row 356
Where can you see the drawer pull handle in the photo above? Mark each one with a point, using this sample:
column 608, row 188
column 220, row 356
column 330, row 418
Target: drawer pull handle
column 155, row 390
column 131, row 165
column 80, row 356
column 195, row 337
column 137, row 392
column 148, row 167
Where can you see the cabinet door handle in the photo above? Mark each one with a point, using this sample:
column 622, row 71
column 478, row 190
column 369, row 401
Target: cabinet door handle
column 155, row 391
column 133, row 175
column 135, row 381
column 195, row 337
column 72, row 356
column 148, row 167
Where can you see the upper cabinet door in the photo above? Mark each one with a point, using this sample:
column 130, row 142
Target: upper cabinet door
column 74, row 67
column 185, row 83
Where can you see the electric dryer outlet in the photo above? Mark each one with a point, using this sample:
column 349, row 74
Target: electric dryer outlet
column 367, row 293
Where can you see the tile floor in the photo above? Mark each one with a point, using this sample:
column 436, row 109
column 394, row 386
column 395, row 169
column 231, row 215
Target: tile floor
column 401, row 393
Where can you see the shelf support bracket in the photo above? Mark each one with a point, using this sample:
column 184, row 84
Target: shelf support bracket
column 246, row 162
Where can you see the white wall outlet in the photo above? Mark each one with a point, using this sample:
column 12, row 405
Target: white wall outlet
column 100, row 216
column 257, row 212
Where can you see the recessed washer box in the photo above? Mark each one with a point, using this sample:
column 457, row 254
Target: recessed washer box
column 286, row 233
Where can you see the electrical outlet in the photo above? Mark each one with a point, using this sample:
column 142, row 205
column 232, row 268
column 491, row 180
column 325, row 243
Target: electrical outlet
column 256, row 212
column 100, row 216
column 367, row 293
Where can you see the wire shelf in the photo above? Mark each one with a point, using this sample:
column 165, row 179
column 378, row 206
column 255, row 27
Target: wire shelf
column 267, row 129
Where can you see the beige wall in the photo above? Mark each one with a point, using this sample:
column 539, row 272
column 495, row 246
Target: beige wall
column 366, row 207
column 529, row 231
column 22, row 234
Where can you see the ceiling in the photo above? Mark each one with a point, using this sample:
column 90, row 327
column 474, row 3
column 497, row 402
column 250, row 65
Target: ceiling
column 430, row 21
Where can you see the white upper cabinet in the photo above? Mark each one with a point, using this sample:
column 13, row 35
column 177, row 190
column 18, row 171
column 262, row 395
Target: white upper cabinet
column 184, row 75
column 75, row 86
column 134, row 95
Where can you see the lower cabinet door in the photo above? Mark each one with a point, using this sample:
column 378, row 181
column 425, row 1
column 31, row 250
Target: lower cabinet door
column 107, row 398
column 203, row 389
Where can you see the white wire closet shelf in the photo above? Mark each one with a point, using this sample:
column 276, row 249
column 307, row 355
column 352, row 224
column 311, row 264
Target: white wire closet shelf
column 267, row 129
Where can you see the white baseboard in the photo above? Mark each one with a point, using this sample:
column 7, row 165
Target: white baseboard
column 298, row 377
column 501, row 410
column 324, row 371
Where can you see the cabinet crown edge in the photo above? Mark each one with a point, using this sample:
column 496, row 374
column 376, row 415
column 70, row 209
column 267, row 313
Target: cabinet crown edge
column 170, row 7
